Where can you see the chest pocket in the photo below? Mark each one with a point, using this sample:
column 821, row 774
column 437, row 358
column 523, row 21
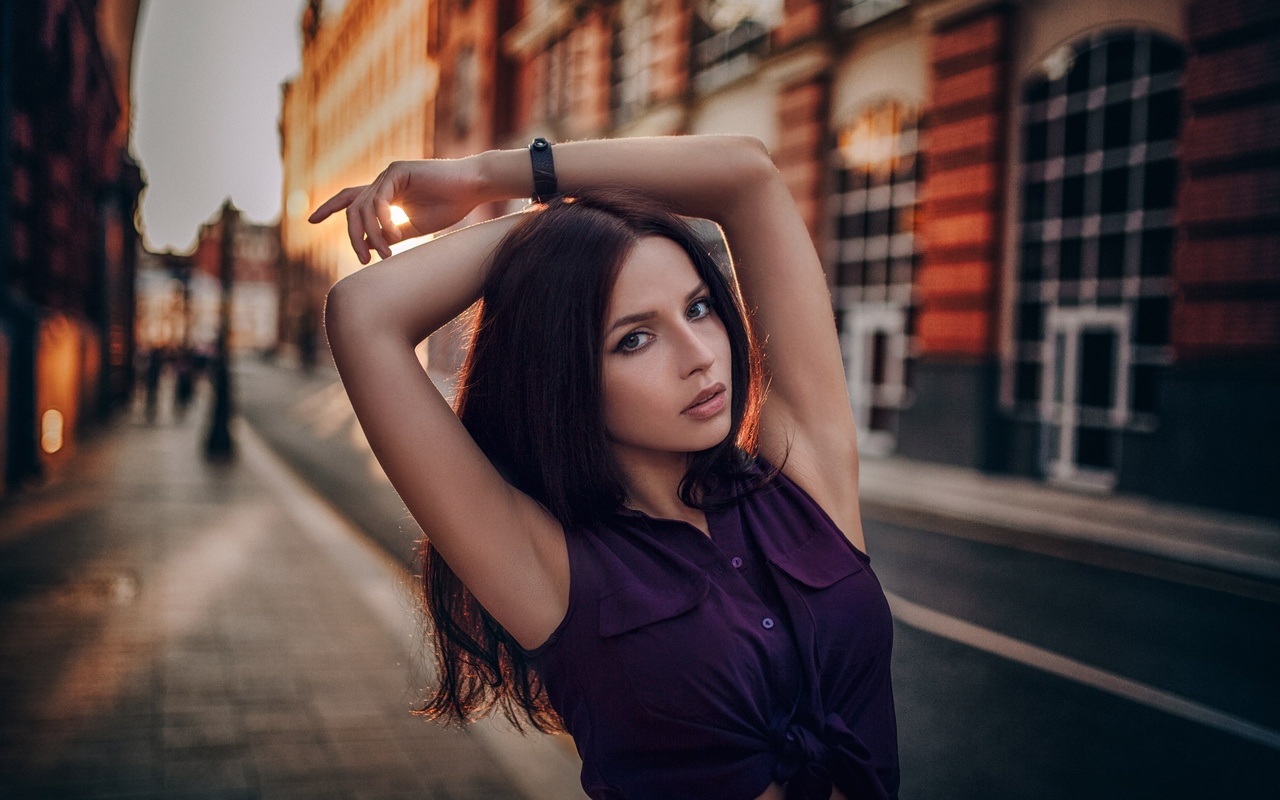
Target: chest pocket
column 845, row 604
column 677, row 650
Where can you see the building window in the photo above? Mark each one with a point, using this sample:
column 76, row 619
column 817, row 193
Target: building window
column 730, row 39
column 466, row 91
column 556, row 83
column 873, row 263
column 1091, row 319
column 633, row 55
column 855, row 13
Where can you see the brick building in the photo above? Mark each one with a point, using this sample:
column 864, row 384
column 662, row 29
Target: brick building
column 1049, row 226
column 68, row 195
column 179, row 297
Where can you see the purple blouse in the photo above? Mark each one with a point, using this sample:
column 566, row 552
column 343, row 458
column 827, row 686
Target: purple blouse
column 690, row 666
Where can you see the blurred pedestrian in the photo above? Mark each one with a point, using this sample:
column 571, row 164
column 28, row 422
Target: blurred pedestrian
column 151, row 380
column 625, row 534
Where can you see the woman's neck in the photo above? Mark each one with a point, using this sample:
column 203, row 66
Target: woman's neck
column 653, row 486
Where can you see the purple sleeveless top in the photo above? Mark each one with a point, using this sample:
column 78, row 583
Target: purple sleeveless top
column 696, row 667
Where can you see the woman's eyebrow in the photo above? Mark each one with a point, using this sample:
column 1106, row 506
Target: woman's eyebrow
column 643, row 316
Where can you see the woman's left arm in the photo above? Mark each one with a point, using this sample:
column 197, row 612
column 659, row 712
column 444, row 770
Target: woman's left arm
column 732, row 180
column 807, row 418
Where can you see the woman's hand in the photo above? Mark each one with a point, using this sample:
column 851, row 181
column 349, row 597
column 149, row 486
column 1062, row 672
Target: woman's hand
column 434, row 193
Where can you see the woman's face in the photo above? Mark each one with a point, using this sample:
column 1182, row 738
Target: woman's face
column 667, row 372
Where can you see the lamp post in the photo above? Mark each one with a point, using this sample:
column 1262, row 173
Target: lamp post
column 219, row 445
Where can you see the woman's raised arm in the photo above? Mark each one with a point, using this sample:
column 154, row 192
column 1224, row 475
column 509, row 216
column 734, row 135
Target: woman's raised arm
column 504, row 546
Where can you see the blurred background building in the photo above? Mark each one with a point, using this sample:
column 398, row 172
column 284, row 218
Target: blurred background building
column 68, row 196
column 179, row 296
column 365, row 97
column 1050, row 226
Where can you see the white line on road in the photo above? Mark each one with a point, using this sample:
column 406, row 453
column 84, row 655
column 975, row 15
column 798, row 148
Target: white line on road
column 958, row 630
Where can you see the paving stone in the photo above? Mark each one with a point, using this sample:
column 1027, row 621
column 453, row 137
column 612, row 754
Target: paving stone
column 169, row 632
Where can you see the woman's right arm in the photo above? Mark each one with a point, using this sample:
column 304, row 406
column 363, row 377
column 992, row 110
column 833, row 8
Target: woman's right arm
column 503, row 546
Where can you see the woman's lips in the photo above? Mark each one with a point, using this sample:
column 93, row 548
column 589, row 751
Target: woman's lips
column 708, row 407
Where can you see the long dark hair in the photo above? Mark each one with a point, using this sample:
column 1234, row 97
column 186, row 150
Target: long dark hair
column 530, row 396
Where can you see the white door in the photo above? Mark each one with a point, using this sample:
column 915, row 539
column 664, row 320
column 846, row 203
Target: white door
column 1084, row 395
column 875, row 351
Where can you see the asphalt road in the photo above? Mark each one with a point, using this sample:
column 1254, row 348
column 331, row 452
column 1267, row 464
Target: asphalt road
column 974, row 722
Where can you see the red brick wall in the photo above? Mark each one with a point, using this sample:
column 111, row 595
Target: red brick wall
column 801, row 19
column 672, row 21
column 962, row 192
column 802, row 144
column 1226, row 273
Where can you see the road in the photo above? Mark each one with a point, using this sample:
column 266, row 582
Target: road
column 1017, row 674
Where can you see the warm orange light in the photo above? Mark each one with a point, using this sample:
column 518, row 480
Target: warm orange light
column 51, row 431
column 871, row 142
column 398, row 216
column 865, row 147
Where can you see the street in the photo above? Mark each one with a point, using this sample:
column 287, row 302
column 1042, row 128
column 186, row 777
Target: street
column 1177, row 683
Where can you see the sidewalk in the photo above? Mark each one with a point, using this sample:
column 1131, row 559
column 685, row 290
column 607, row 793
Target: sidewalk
column 171, row 628
column 1026, row 513
column 1234, row 543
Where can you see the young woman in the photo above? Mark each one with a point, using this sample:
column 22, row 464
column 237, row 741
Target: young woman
column 626, row 534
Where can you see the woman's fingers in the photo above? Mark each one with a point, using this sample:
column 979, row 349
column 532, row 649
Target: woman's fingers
column 372, row 231
column 336, row 203
column 356, row 234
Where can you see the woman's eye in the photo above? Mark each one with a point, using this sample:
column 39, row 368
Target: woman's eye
column 633, row 341
column 700, row 308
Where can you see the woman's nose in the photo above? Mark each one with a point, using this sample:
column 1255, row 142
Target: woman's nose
column 696, row 351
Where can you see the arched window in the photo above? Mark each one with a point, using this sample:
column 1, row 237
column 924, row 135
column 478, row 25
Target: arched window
column 873, row 262
column 1091, row 315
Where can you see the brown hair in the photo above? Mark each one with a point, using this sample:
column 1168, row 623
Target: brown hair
column 530, row 396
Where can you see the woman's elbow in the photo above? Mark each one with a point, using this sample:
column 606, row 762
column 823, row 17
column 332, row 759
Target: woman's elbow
column 338, row 302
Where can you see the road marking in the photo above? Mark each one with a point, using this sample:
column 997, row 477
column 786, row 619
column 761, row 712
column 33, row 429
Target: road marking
column 976, row 636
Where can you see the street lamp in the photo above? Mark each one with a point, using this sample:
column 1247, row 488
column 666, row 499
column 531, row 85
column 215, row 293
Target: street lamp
column 219, row 445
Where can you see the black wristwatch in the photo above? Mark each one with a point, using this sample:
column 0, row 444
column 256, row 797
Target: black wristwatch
column 544, row 170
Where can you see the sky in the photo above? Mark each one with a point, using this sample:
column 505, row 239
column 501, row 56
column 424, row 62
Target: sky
column 206, row 101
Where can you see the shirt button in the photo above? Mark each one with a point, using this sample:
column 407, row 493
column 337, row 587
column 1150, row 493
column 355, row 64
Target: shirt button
column 736, row 562
column 791, row 736
column 767, row 622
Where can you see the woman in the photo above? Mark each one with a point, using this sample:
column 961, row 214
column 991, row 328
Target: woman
column 610, row 543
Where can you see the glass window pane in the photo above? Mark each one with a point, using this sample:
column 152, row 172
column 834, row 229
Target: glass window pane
column 1157, row 252
column 1111, row 255
column 1120, row 53
column 1078, row 76
column 1032, row 267
column 1097, row 368
column 1160, row 181
column 1033, row 201
column 1152, row 323
column 1069, row 253
column 1073, row 196
column 1037, row 143
column 1115, row 191
column 1030, row 322
column 1117, row 125
column 1077, row 133
column 1026, row 385
column 1164, row 113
